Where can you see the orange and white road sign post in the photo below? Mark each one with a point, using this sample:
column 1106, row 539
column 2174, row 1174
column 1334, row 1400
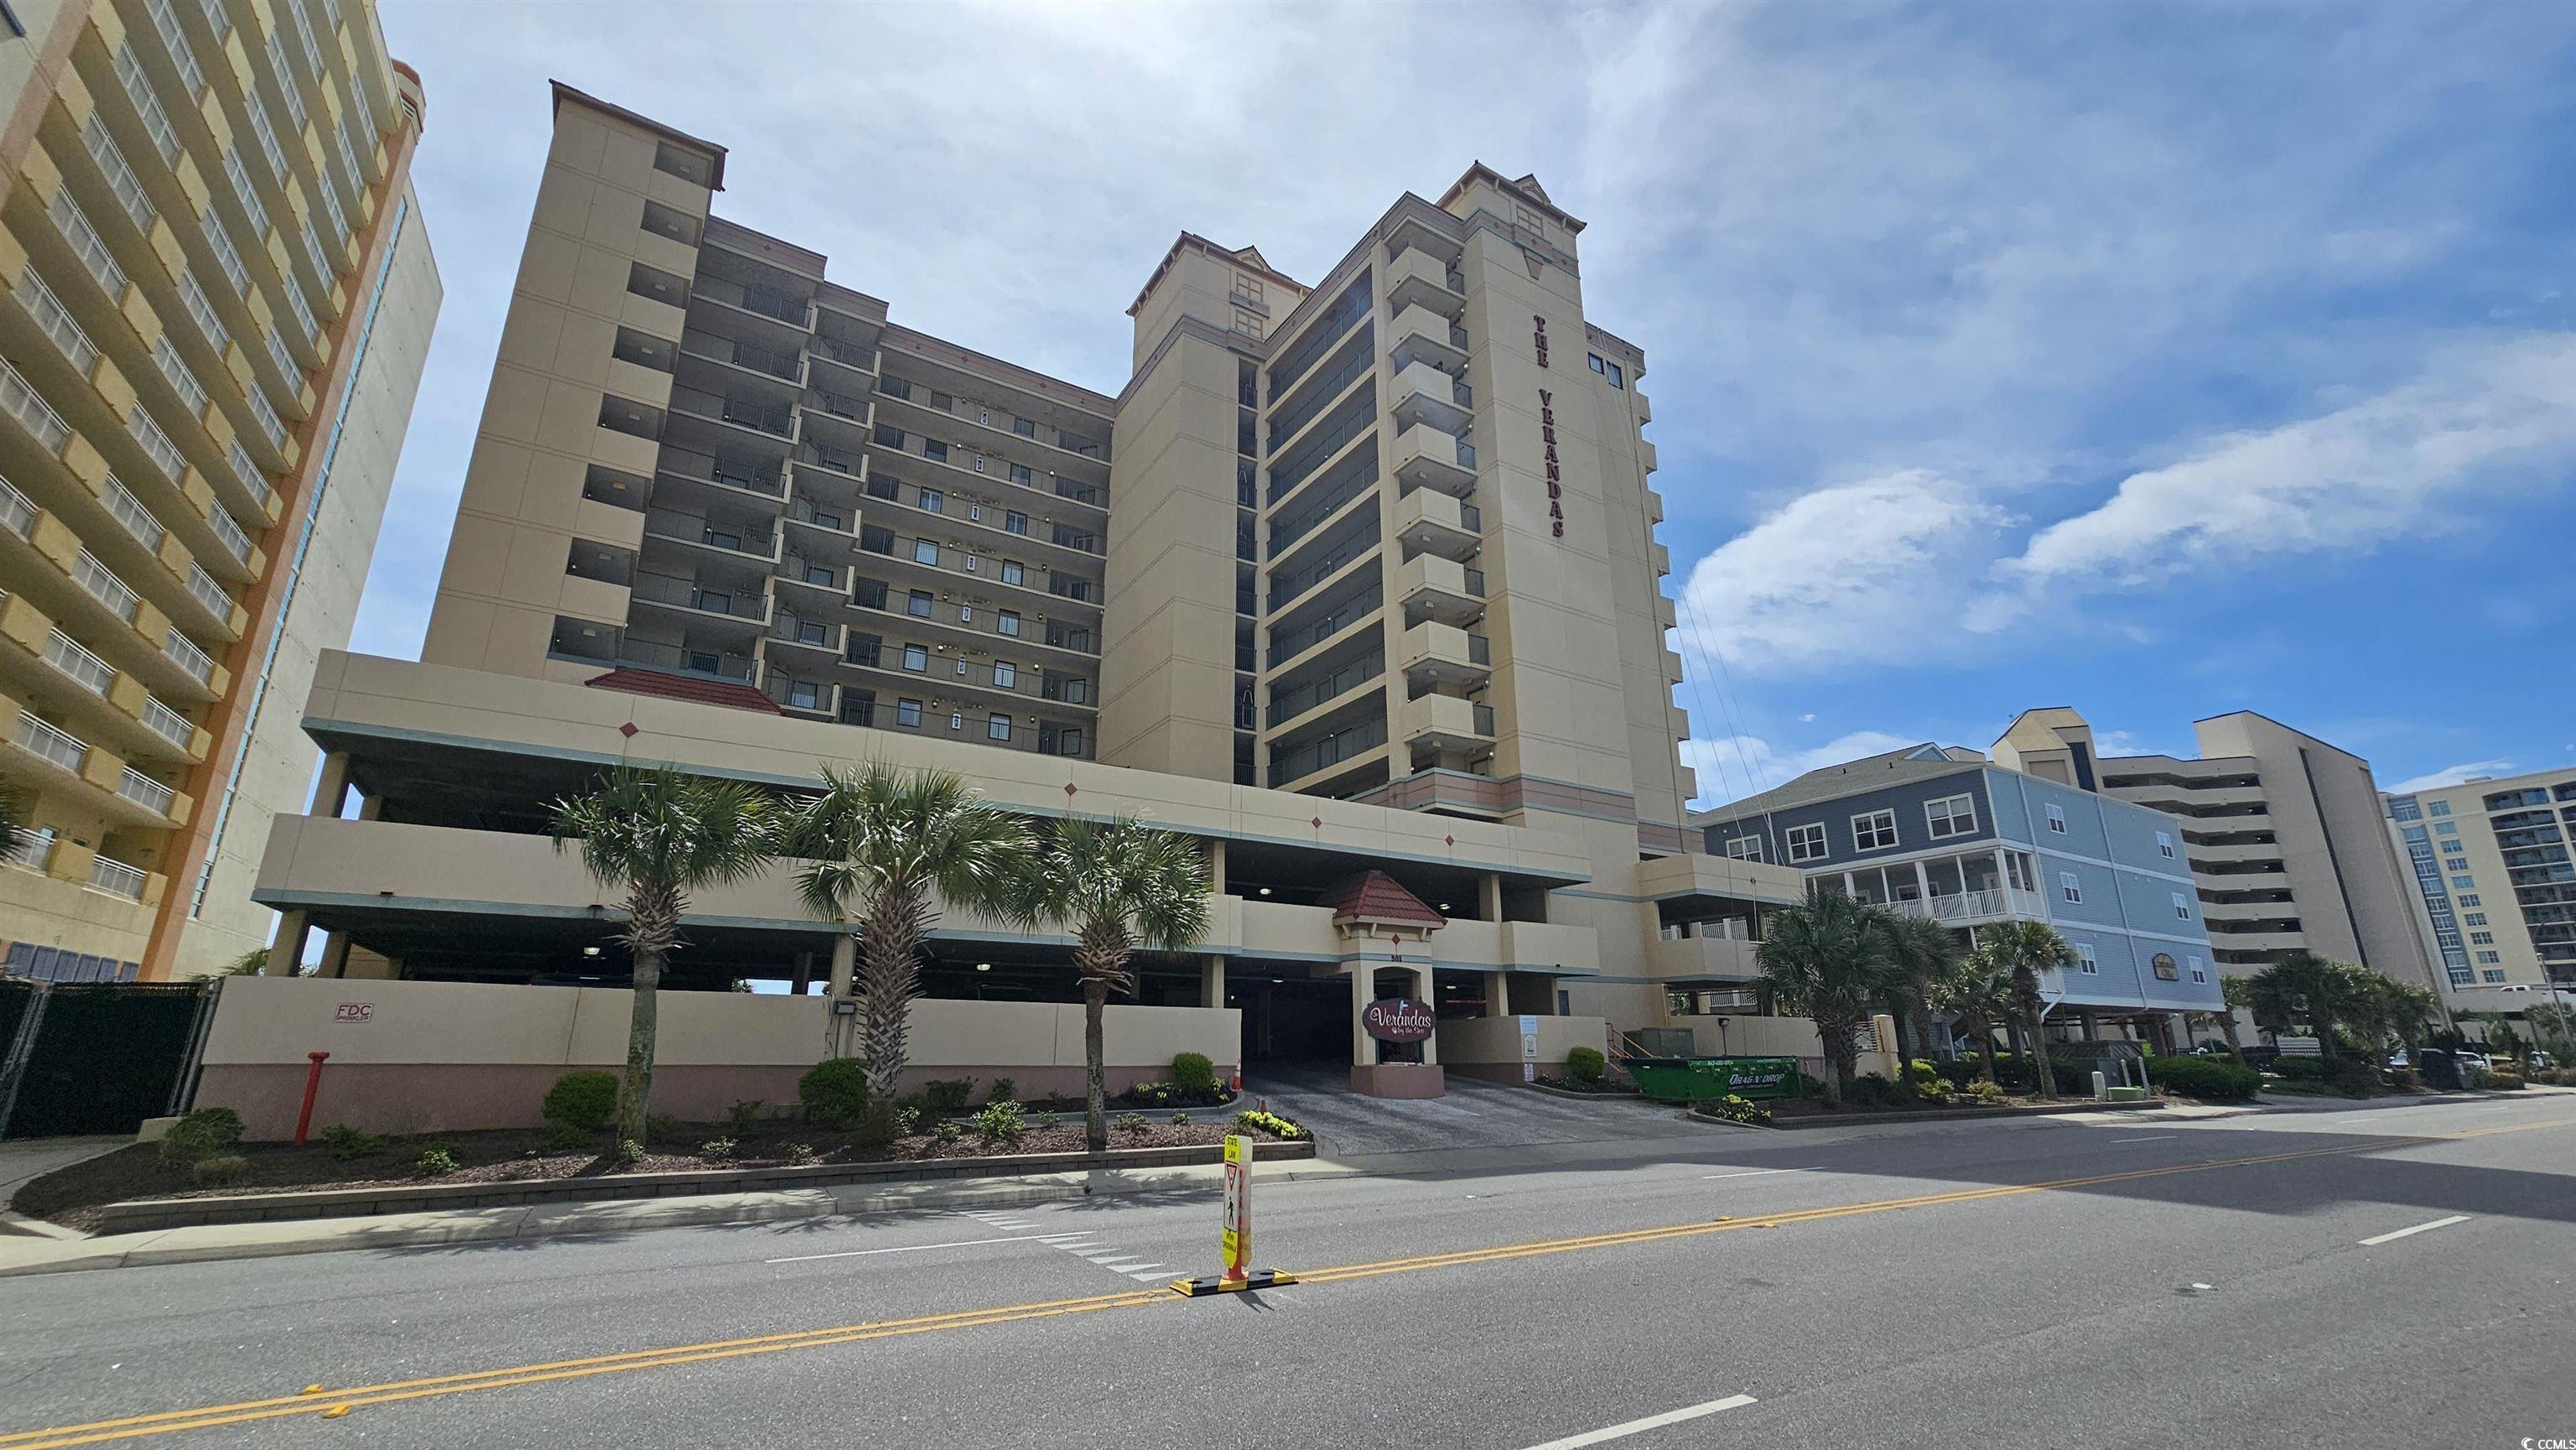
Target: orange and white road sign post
column 1236, row 1240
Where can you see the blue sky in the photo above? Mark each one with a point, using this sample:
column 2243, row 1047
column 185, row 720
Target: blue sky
column 2155, row 360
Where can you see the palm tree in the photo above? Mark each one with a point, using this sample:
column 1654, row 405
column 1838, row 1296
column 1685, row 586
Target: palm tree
column 1977, row 994
column 2301, row 986
column 1925, row 951
column 1118, row 887
column 2024, row 949
column 661, row 834
column 885, row 848
column 1828, row 959
column 2236, row 992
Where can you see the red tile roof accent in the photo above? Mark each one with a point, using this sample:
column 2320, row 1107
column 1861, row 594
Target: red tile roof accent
column 1376, row 896
column 682, row 687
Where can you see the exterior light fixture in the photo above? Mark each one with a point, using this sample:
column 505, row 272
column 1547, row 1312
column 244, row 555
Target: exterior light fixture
column 983, row 966
column 590, row 951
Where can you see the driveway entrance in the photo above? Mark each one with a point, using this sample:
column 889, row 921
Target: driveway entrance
column 1474, row 1114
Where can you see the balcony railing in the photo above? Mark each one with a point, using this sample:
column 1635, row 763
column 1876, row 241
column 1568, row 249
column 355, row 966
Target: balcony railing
column 102, row 585
column 77, row 664
column 230, row 534
column 741, row 412
column 735, row 538
column 55, row 321
column 167, row 723
column 33, row 849
column 1305, row 760
column 52, row 746
column 146, row 792
column 1966, row 906
column 183, row 652
column 21, row 401
column 203, row 588
column 656, row 655
column 17, row 515
column 748, row 604
column 1289, row 704
column 116, row 878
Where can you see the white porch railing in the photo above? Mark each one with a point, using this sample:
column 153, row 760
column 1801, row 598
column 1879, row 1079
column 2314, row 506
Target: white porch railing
column 1994, row 904
column 116, row 878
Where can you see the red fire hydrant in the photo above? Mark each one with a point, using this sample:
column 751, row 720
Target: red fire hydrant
column 312, row 1085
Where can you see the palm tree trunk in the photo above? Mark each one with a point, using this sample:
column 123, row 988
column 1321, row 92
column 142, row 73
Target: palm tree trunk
column 1986, row 1049
column 653, row 918
column 2227, row 1024
column 1095, row 1073
column 2042, row 1070
column 889, row 978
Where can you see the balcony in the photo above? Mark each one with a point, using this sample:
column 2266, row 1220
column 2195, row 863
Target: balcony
column 1420, row 334
column 745, row 608
column 1441, row 589
column 118, row 879
column 781, row 364
column 1423, row 394
column 1432, row 459
column 1724, row 957
column 2243, row 853
column 761, row 302
column 1419, row 279
column 1975, row 908
column 734, row 410
column 1445, row 722
column 681, row 659
column 1439, row 654
column 727, row 538
column 1439, row 523
column 146, row 792
column 1302, row 764
column 57, row 748
column 821, row 638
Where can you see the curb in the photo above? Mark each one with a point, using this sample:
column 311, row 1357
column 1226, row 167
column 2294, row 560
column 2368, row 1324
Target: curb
column 528, row 1222
column 1942, row 1115
column 148, row 1214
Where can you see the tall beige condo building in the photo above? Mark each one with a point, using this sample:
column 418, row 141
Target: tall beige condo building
column 219, row 296
column 2495, row 888
column 2284, row 834
column 1384, row 535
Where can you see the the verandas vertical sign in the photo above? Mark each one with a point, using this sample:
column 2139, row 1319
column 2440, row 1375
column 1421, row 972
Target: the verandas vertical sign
column 1238, row 1206
column 1547, row 435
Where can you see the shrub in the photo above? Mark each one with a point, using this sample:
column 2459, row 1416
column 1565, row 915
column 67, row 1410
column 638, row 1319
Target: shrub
column 744, row 1115
column 1734, row 1109
column 1181, row 1119
column 1131, row 1122
column 1000, row 1121
column 1001, row 1091
column 1192, row 1073
column 946, row 1131
column 629, row 1153
column 947, row 1095
column 434, row 1161
column 1255, row 1120
column 1870, row 1090
column 560, row 1137
column 834, row 1092
column 2300, row 1069
column 798, row 1153
column 582, row 1102
column 2496, row 1080
column 2207, row 1078
column 2353, row 1077
column 881, row 1123
column 1586, row 1065
column 717, row 1150
column 1983, row 1094
column 219, row 1170
column 1936, row 1089
column 201, row 1133
column 1927, row 1077
column 1043, row 1120
column 2405, row 1078
column 348, row 1144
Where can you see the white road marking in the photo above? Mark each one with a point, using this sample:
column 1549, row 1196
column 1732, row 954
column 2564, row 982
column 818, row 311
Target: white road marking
column 1755, row 1173
column 1651, row 1422
column 916, row 1248
column 2150, row 1138
column 2417, row 1229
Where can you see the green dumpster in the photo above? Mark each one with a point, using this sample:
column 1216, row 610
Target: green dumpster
column 1696, row 1079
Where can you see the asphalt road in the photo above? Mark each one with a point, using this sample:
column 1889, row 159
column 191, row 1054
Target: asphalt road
column 2111, row 1281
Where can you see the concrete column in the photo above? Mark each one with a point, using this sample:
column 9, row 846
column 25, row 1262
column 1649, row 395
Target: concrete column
column 287, row 952
column 1363, row 991
column 370, row 807
column 1212, row 979
column 1851, row 886
column 335, row 954
column 1431, row 997
column 331, row 787
column 2182, row 1032
column 1923, row 883
column 803, row 981
column 1216, row 864
column 1498, row 994
column 2003, row 875
column 845, row 964
column 1489, row 895
column 2092, row 1029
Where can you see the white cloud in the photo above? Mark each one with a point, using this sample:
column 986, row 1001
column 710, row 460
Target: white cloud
column 2348, row 479
column 1742, row 765
column 1849, row 574
column 2450, row 775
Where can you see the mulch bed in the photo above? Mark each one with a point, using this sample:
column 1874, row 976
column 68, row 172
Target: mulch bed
column 1816, row 1107
column 73, row 1196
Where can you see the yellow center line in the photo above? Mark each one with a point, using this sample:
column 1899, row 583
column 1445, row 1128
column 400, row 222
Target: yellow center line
column 320, row 1401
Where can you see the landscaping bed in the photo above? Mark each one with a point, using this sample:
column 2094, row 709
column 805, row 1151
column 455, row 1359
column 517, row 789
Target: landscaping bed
column 760, row 1155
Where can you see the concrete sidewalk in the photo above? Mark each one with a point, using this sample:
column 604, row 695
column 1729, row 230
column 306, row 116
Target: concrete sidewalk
column 31, row 1255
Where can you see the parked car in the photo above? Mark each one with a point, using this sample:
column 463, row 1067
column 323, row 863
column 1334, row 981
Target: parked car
column 2469, row 1058
column 2541, row 1062
column 2398, row 1059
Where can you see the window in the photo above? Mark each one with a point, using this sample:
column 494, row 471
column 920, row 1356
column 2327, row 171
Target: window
column 2163, row 965
column 2496, row 976
column 1006, row 675
column 887, row 436
column 1020, row 473
column 1745, row 848
column 932, row 448
column 2446, row 828
column 1012, row 573
column 997, row 727
column 1874, row 831
column 2057, row 819
column 2474, row 918
column 1068, row 742
column 916, row 658
column 2182, row 906
column 918, row 603
column 2482, row 938
column 2198, row 972
column 804, row 695
column 2069, row 887
column 2164, row 844
column 1617, row 379
column 908, row 713
column 810, row 631
column 1598, row 365
column 2463, row 883
column 1956, row 816
column 1026, row 428
column 933, row 501
column 1807, row 843
column 1007, row 622
column 2403, row 808
column 2084, row 959
column 2469, row 901
column 924, row 552
column 1015, row 522
column 2438, row 808
column 942, row 401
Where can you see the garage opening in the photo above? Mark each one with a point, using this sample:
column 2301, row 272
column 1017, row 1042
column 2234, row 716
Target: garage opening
column 1293, row 1019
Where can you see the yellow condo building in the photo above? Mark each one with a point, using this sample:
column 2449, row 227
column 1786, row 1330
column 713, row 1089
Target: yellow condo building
column 215, row 299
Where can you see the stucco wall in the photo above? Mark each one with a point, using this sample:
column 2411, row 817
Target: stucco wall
column 442, row 1056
